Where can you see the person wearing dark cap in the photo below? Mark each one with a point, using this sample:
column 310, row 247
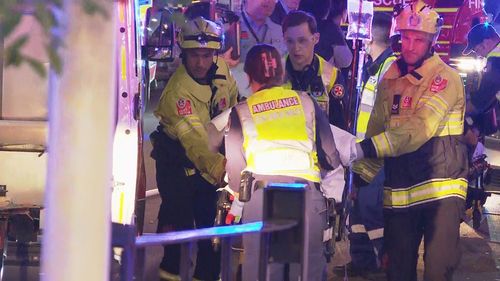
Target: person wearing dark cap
column 482, row 98
column 482, row 40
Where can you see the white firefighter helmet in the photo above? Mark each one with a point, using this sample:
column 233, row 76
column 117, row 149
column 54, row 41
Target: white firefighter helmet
column 418, row 16
column 200, row 33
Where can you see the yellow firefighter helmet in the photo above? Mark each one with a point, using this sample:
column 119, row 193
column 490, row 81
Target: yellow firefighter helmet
column 418, row 16
column 200, row 33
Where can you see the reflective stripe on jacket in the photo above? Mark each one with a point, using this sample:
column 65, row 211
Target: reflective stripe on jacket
column 416, row 126
column 368, row 97
column 186, row 107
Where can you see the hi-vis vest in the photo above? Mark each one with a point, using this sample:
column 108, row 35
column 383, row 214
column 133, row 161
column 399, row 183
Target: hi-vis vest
column 279, row 134
column 328, row 75
column 495, row 52
column 368, row 98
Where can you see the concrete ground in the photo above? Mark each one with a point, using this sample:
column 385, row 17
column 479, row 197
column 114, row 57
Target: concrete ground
column 480, row 259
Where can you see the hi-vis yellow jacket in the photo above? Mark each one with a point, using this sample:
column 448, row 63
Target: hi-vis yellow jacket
column 186, row 107
column 330, row 78
column 369, row 168
column 416, row 126
column 279, row 132
column 368, row 97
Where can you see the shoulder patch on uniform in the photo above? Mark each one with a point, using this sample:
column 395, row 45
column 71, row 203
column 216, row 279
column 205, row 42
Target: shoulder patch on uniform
column 184, row 107
column 438, row 84
column 338, row 91
column 406, row 102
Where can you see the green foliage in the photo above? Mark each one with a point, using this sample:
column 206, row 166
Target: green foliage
column 92, row 7
column 45, row 13
column 13, row 55
column 8, row 19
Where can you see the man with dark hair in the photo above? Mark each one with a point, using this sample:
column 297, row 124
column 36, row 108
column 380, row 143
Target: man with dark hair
column 309, row 72
column 366, row 222
column 380, row 57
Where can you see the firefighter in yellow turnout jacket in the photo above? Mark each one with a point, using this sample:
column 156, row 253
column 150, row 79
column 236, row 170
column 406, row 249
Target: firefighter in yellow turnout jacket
column 416, row 126
column 280, row 136
column 187, row 171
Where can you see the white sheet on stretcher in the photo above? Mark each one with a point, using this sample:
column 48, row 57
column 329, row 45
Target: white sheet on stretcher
column 332, row 182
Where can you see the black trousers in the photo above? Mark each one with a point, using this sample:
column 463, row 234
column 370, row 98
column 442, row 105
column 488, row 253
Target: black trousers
column 188, row 202
column 439, row 223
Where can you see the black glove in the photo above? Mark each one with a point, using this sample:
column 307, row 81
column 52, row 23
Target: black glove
column 358, row 181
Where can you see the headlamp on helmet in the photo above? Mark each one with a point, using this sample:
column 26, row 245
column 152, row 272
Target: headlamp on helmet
column 200, row 33
column 418, row 16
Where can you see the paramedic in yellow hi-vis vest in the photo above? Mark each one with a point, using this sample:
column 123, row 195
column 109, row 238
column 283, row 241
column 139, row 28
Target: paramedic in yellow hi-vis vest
column 416, row 126
column 307, row 71
column 187, row 171
column 280, row 135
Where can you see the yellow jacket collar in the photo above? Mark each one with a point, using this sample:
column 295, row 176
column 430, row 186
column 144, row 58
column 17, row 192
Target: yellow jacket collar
column 195, row 88
column 416, row 76
column 428, row 68
column 321, row 62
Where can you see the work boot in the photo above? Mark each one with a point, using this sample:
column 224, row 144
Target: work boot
column 167, row 276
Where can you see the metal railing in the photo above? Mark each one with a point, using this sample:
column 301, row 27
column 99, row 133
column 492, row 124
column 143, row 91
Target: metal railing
column 124, row 237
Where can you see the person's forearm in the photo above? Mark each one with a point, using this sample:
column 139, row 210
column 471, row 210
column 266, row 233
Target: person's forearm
column 342, row 56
